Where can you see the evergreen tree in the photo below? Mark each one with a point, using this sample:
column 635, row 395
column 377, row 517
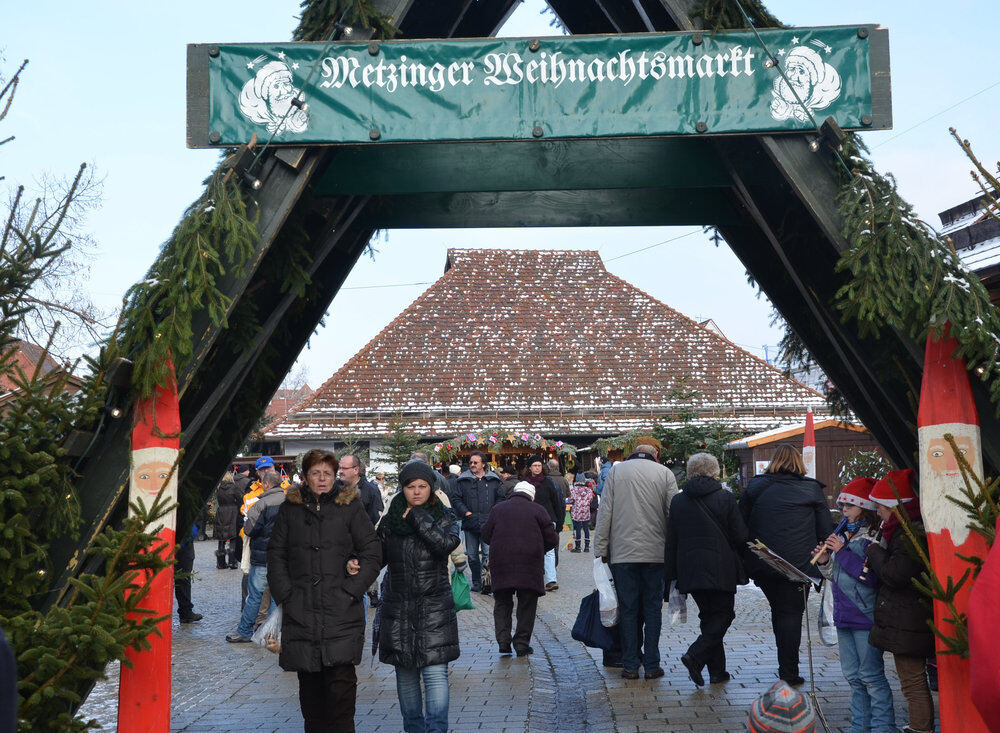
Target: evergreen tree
column 398, row 446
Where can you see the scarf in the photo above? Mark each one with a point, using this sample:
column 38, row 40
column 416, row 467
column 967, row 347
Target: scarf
column 853, row 527
column 398, row 525
column 889, row 527
column 534, row 480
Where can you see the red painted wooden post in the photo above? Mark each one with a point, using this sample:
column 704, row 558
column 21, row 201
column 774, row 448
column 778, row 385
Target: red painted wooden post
column 809, row 445
column 144, row 692
column 946, row 406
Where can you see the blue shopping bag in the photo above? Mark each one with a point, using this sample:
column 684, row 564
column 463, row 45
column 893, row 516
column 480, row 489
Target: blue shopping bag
column 588, row 628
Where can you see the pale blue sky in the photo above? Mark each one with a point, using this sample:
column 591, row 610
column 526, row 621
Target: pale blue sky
column 106, row 85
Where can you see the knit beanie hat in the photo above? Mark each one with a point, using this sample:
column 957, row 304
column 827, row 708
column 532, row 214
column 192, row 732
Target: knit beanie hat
column 525, row 488
column 782, row 710
column 414, row 470
column 534, row 459
column 902, row 480
column 857, row 493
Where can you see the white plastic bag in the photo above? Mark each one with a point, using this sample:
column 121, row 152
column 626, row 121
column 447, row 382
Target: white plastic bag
column 827, row 631
column 677, row 605
column 606, row 588
column 269, row 633
column 245, row 559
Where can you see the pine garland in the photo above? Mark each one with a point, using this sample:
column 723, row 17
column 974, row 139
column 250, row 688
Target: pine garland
column 320, row 18
column 216, row 235
column 906, row 277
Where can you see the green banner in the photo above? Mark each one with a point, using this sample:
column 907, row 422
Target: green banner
column 513, row 89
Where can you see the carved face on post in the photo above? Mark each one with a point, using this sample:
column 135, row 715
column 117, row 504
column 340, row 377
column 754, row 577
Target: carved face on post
column 940, row 476
column 941, row 458
column 151, row 469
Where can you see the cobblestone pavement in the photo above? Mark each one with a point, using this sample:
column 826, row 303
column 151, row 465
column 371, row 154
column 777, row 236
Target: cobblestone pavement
column 222, row 687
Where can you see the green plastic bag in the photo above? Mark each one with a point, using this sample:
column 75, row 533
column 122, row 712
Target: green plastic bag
column 460, row 591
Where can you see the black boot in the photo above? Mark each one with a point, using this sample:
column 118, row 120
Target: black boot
column 220, row 559
column 576, row 546
column 586, row 546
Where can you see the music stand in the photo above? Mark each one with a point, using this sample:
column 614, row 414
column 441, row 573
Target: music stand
column 794, row 575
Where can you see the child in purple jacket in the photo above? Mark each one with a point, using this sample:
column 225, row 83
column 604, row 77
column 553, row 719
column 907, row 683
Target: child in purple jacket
column 853, row 610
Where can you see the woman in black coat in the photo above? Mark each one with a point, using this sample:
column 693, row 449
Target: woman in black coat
column 551, row 500
column 704, row 530
column 419, row 633
column 317, row 530
column 228, row 523
column 787, row 512
column 519, row 533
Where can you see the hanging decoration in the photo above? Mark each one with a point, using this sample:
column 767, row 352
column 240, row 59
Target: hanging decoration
column 491, row 440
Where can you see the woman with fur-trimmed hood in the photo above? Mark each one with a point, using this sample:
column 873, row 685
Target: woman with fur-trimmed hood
column 317, row 530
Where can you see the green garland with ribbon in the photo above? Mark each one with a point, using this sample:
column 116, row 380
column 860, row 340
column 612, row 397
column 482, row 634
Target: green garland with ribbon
column 493, row 439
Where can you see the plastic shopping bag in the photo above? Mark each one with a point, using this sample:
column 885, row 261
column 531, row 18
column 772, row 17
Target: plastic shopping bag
column 269, row 633
column 460, row 591
column 677, row 605
column 245, row 558
column 827, row 631
column 606, row 588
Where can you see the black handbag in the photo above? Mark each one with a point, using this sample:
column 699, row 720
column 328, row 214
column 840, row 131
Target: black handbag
column 741, row 572
column 588, row 628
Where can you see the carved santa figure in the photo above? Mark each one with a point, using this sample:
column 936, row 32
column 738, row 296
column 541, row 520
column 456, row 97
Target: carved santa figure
column 947, row 407
column 144, row 692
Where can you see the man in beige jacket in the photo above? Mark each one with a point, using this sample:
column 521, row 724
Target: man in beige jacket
column 631, row 536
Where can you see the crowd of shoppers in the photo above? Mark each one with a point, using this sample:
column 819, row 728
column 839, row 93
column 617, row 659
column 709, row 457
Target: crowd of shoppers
column 318, row 547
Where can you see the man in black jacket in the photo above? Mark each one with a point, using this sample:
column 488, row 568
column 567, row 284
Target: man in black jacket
column 352, row 474
column 476, row 492
column 257, row 528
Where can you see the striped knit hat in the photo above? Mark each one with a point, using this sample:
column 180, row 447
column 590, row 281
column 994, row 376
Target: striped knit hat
column 782, row 710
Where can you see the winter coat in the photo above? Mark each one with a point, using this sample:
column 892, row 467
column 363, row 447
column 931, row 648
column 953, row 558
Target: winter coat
column 697, row 554
column 507, row 487
column 419, row 623
column 476, row 495
column 901, row 611
column 853, row 599
column 548, row 496
column 519, row 533
column 260, row 522
column 371, row 499
column 789, row 514
column 313, row 537
column 581, row 496
column 602, row 477
column 635, row 504
column 228, row 521
column 560, row 482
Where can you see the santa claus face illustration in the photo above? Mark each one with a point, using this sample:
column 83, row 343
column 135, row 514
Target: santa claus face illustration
column 150, row 477
column 941, row 458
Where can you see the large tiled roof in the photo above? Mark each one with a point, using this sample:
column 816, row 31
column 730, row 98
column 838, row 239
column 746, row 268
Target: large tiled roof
column 546, row 341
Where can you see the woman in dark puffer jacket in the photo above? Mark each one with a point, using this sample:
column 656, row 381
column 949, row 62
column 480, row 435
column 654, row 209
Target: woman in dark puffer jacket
column 317, row 530
column 419, row 633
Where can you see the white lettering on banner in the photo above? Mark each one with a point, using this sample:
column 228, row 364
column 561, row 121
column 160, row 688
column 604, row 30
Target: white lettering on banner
column 511, row 69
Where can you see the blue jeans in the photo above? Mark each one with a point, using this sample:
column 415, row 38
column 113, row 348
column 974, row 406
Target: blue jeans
column 639, row 585
column 256, row 583
column 412, row 706
column 581, row 526
column 474, row 547
column 871, row 698
column 550, row 562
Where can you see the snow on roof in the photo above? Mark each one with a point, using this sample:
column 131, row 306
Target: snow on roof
column 783, row 432
column 550, row 333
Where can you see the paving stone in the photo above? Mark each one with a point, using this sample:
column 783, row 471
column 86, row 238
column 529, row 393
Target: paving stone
column 562, row 687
